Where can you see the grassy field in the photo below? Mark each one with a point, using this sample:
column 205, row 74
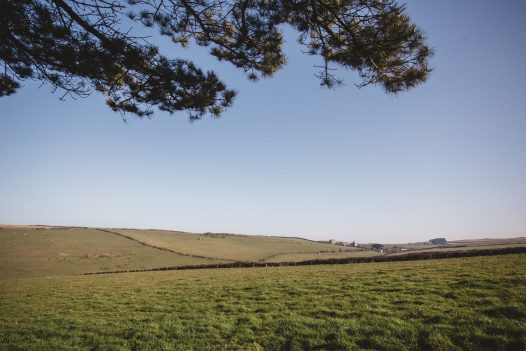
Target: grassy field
column 297, row 257
column 480, row 242
column 30, row 252
column 34, row 251
column 454, row 304
column 466, row 248
column 49, row 251
column 227, row 246
column 457, row 245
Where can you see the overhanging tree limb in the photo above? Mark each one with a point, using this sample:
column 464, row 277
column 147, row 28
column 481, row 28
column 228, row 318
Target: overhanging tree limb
column 73, row 15
column 78, row 46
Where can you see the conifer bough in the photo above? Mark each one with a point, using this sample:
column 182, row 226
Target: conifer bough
column 79, row 47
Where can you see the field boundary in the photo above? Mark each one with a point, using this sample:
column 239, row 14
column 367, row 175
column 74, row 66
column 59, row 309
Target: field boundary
column 332, row 261
column 356, row 249
column 160, row 247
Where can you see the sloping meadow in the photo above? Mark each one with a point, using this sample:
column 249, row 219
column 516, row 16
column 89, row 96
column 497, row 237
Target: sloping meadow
column 30, row 252
column 230, row 247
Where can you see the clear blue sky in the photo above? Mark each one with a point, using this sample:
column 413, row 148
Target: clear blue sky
column 290, row 158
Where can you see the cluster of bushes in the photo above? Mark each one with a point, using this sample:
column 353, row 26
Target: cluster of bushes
column 438, row 241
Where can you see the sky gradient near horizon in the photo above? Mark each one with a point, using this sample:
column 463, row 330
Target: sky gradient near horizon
column 445, row 159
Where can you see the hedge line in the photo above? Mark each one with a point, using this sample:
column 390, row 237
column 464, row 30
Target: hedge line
column 386, row 258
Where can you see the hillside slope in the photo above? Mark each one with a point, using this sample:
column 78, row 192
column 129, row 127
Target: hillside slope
column 230, row 246
column 28, row 252
column 33, row 251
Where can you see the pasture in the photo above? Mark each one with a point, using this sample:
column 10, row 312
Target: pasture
column 28, row 252
column 230, row 247
column 452, row 304
column 50, row 251
column 298, row 257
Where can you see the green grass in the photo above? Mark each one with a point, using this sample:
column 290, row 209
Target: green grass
column 228, row 247
column 465, row 248
column 297, row 257
column 501, row 241
column 31, row 252
column 455, row 304
column 44, row 252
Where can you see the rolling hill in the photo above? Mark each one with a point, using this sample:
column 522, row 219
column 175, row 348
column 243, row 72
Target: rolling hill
column 36, row 251
column 31, row 251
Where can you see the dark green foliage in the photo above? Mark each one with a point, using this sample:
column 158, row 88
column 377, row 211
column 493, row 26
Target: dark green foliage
column 438, row 241
column 77, row 49
column 377, row 246
column 78, row 46
column 8, row 86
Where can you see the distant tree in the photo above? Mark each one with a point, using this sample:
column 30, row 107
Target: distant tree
column 376, row 247
column 438, row 241
column 79, row 46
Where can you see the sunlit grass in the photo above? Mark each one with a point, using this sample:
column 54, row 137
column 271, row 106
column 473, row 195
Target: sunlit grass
column 230, row 247
column 455, row 304
column 33, row 253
